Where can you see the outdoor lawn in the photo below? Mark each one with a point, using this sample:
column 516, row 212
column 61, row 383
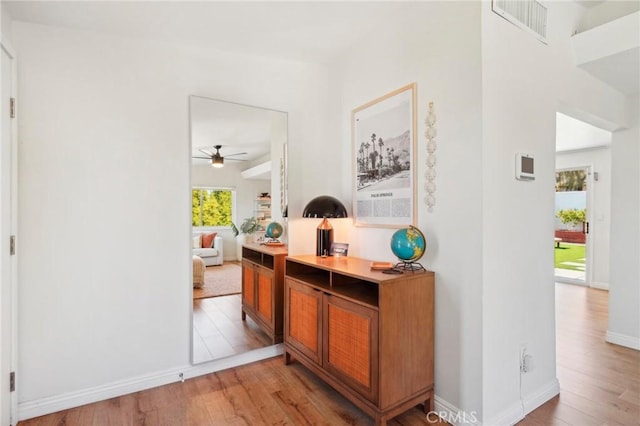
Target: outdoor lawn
column 570, row 253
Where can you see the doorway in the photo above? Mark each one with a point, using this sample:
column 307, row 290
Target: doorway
column 572, row 226
column 583, row 185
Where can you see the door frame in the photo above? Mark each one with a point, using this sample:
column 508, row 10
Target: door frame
column 11, row 291
column 588, row 263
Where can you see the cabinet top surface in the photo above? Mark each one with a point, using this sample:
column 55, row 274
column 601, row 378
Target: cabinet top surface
column 272, row 250
column 353, row 266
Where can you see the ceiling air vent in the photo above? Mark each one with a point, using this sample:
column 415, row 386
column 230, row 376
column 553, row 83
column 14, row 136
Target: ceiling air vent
column 530, row 15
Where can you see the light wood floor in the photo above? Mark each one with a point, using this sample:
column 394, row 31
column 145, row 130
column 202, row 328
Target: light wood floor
column 264, row 393
column 599, row 381
column 600, row 385
column 218, row 329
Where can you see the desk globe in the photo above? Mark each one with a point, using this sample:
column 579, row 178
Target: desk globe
column 408, row 244
column 274, row 231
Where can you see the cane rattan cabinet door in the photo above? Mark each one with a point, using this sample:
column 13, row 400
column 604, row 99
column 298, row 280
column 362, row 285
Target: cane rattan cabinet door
column 303, row 325
column 265, row 284
column 351, row 349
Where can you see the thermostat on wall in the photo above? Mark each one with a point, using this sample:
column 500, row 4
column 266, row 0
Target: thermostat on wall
column 524, row 167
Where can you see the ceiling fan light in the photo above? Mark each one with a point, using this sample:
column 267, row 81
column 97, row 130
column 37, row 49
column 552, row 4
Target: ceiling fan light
column 217, row 161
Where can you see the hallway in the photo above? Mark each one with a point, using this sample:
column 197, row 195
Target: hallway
column 599, row 381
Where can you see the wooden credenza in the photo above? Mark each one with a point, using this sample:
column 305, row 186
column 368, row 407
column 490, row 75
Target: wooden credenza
column 367, row 334
column 263, row 287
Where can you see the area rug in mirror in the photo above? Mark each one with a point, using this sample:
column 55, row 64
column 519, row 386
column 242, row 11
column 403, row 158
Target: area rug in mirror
column 220, row 281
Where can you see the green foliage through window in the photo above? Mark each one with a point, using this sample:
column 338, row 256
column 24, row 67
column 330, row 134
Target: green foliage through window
column 571, row 180
column 211, row 207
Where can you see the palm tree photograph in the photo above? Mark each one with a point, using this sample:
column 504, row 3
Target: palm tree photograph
column 383, row 145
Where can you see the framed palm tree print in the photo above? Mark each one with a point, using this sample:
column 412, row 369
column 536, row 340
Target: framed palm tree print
column 384, row 149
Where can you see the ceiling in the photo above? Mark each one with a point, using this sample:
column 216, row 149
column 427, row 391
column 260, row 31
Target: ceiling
column 303, row 31
column 572, row 134
column 621, row 70
column 607, row 44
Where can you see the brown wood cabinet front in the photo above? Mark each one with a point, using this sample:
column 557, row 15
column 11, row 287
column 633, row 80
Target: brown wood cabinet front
column 369, row 335
column 262, row 288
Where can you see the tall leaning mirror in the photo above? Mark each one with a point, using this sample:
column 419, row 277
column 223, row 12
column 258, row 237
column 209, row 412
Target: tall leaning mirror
column 238, row 177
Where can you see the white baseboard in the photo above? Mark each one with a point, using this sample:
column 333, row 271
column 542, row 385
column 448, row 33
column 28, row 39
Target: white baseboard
column 599, row 286
column 234, row 361
column 453, row 415
column 623, row 340
column 540, row 396
column 40, row 407
column 514, row 413
column 507, row 417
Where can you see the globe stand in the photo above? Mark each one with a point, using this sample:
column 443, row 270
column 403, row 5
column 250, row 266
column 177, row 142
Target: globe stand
column 409, row 266
column 273, row 242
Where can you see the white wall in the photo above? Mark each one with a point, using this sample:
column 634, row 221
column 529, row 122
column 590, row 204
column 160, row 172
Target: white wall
column 624, row 293
column 203, row 175
column 525, row 82
column 427, row 46
column 5, row 23
column 104, row 196
column 599, row 207
column 104, row 186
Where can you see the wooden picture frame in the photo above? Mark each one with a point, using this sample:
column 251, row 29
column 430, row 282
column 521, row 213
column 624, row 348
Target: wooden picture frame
column 383, row 154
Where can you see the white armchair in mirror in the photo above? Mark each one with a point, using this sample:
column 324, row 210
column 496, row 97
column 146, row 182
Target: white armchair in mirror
column 209, row 247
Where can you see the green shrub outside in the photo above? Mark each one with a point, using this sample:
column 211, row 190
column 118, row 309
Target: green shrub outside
column 572, row 216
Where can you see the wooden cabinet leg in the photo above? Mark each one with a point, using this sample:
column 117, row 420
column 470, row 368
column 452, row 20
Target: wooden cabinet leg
column 429, row 403
column 381, row 421
column 244, row 316
column 287, row 358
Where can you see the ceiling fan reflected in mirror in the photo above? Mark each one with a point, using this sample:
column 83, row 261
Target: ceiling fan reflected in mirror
column 216, row 159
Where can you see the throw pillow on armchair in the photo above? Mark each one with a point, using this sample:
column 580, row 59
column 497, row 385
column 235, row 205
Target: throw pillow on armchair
column 207, row 239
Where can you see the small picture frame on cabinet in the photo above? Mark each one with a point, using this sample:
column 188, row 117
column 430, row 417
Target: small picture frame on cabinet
column 339, row 249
